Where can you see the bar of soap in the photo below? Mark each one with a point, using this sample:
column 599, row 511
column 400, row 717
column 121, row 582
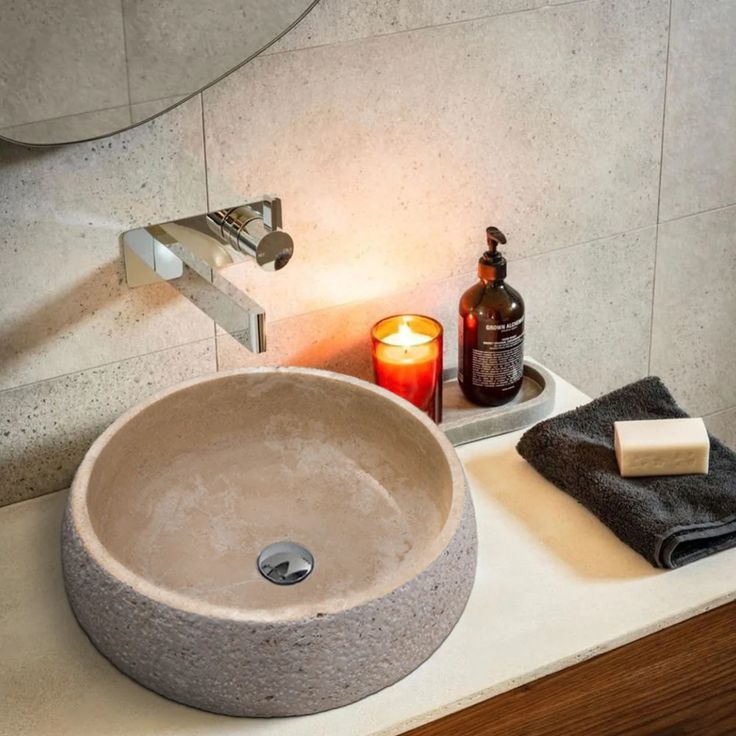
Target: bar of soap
column 661, row 447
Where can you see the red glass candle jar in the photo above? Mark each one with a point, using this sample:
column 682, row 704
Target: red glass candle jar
column 407, row 360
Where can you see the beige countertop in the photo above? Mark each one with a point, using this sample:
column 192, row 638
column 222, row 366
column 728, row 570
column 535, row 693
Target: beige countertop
column 554, row 587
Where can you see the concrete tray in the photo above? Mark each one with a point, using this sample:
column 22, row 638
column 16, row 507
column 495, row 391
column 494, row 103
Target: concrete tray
column 466, row 422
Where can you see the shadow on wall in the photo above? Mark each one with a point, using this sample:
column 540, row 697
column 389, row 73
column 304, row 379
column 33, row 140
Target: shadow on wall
column 47, row 466
column 12, row 152
column 352, row 358
column 59, row 315
column 334, row 350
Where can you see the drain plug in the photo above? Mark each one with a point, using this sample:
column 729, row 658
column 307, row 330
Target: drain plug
column 285, row 563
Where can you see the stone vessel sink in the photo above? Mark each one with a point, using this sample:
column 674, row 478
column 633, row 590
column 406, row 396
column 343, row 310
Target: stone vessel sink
column 174, row 502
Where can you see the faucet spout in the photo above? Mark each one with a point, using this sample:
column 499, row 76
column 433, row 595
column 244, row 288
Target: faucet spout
column 190, row 253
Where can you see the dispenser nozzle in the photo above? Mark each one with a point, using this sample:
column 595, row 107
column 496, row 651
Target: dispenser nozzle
column 493, row 237
column 492, row 264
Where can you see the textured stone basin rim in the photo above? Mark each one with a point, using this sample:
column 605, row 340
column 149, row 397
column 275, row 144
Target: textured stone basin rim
column 173, row 503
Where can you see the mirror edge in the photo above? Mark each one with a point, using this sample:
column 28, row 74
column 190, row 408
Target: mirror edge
column 247, row 60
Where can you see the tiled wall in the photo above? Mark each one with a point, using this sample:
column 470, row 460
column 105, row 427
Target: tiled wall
column 597, row 134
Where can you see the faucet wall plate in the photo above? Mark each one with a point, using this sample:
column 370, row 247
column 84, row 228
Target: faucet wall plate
column 190, row 251
column 147, row 260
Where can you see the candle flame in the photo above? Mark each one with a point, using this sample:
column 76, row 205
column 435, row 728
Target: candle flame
column 406, row 337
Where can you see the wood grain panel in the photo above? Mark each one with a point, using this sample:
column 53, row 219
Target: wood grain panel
column 676, row 682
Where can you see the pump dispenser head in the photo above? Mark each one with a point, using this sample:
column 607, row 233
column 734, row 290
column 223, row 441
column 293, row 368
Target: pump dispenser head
column 492, row 264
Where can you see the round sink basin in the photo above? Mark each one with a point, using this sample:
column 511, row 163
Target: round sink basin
column 269, row 542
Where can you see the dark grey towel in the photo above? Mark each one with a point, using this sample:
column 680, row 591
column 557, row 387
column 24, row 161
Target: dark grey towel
column 670, row 520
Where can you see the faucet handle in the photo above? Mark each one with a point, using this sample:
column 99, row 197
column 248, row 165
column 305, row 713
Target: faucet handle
column 271, row 211
column 255, row 229
column 268, row 208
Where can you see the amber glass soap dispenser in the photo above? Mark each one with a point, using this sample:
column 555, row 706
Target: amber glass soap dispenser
column 491, row 332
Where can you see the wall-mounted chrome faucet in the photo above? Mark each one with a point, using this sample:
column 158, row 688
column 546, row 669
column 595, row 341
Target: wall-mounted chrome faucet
column 189, row 252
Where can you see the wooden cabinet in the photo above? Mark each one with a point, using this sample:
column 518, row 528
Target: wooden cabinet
column 677, row 682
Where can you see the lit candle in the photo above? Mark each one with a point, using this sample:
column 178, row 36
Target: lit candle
column 407, row 360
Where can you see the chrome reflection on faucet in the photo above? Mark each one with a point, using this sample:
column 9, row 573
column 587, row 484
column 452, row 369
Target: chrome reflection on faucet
column 191, row 251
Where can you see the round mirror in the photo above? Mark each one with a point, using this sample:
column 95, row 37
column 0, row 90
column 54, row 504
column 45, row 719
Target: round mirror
column 71, row 70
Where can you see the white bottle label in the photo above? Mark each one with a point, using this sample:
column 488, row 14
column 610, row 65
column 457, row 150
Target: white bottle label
column 498, row 358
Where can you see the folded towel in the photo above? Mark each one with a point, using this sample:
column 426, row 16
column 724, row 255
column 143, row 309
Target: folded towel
column 670, row 520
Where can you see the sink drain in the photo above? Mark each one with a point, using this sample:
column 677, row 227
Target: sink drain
column 285, row 563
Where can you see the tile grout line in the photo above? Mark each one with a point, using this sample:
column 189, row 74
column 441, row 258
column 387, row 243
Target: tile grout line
column 187, row 98
column 719, row 411
column 204, row 154
column 581, row 243
column 104, row 365
column 659, row 187
column 698, row 213
column 31, row 499
column 536, row 8
column 207, row 208
column 72, row 115
column 127, row 65
column 468, row 273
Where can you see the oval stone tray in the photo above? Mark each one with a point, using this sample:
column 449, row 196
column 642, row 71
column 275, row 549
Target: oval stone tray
column 463, row 421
